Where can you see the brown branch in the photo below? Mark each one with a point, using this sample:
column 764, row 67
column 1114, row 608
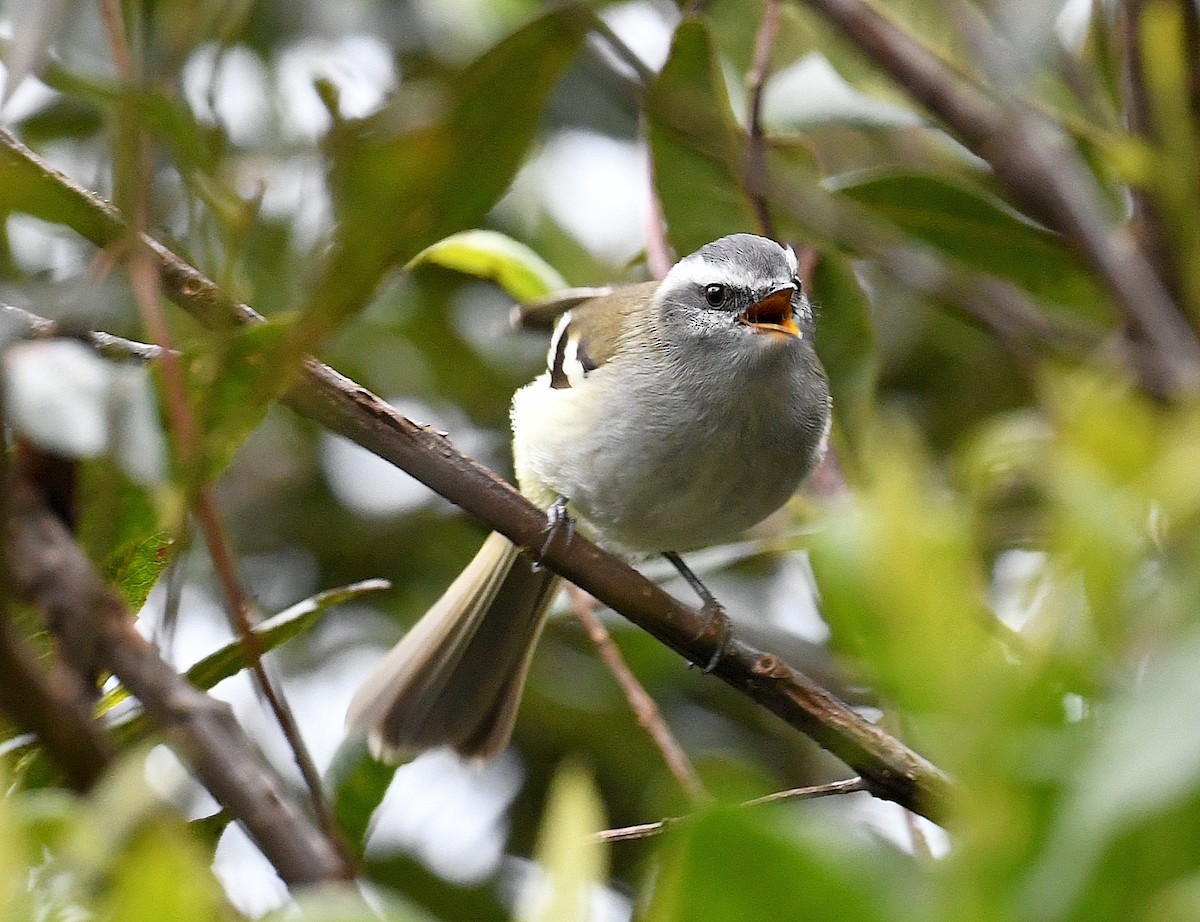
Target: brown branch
column 51, row 570
column 646, row 830
column 640, row 702
column 889, row 769
column 49, row 699
column 1044, row 172
column 51, row 702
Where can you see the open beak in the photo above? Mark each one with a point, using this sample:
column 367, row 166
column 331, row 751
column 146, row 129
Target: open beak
column 773, row 313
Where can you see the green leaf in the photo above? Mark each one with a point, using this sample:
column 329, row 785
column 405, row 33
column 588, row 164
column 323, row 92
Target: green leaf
column 746, row 865
column 451, row 901
column 232, row 377
column 494, row 256
column 125, row 528
column 846, row 345
column 978, row 231
column 402, row 179
column 272, row 633
column 873, row 561
column 1140, row 770
column 160, row 873
column 695, row 143
column 14, row 882
column 572, row 862
column 357, row 782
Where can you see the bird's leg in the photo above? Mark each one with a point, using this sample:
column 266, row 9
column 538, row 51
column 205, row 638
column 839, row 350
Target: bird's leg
column 718, row 621
column 558, row 520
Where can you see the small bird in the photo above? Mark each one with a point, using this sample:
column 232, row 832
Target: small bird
column 672, row 415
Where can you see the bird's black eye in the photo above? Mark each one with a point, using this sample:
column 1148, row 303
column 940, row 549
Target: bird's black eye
column 715, row 295
column 799, row 284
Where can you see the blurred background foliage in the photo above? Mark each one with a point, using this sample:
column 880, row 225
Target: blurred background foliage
column 1009, row 577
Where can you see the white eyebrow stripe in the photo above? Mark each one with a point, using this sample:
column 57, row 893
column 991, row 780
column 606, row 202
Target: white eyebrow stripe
column 695, row 270
column 792, row 261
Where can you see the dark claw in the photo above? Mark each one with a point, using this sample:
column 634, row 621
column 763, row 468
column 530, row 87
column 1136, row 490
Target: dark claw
column 558, row 520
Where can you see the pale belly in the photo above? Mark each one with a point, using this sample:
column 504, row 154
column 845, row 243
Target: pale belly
column 655, row 474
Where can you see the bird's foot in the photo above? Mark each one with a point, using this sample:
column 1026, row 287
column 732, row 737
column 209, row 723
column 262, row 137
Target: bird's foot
column 718, row 624
column 558, row 522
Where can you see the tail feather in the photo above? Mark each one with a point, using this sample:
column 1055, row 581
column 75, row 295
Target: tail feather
column 456, row 678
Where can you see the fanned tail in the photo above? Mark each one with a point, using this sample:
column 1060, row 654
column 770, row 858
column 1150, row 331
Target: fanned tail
column 456, row 678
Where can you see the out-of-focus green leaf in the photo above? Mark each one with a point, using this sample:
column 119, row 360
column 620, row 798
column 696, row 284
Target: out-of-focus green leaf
column 742, row 865
column 160, row 873
column 209, row 829
column 846, row 344
column 401, row 181
column 491, row 255
column 976, row 231
column 14, row 884
column 274, row 632
column 1107, row 438
column 233, row 376
column 126, row 529
column 570, row 860
column 876, row 563
column 1122, row 782
column 695, row 144
column 357, row 783
column 119, row 853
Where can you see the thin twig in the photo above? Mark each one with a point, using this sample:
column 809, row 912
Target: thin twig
column 755, row 174
column 186, row 436
column 640, row 702
column 50, row 569
column 646, row 830
column 623, row 52
column 184, row 430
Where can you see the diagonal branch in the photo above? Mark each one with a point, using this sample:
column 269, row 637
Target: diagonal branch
column 640, row 703
column 1044, row 172
column 889, row 768
column 51, row 570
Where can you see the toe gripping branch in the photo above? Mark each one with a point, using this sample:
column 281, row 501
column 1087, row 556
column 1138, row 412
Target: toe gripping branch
column 558, row 523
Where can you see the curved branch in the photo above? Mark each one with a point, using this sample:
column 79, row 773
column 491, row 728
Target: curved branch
column 52, row 571
column 889, row 768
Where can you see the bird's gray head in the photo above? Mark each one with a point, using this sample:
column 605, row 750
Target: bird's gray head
column 738, row 289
